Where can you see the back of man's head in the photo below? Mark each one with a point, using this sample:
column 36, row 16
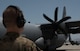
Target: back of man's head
column 13, row 16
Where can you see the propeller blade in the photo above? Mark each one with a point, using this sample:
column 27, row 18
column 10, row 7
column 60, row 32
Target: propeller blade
column 47, row 18
column 56, row 14
column 64, row 19
column 64, row 12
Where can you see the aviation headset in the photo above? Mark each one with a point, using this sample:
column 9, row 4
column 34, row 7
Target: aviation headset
column 20, row 21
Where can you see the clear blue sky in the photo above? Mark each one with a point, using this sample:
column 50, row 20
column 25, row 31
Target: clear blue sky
column 33, row 9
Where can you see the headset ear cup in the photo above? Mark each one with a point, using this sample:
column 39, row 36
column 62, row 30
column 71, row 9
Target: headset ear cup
column 20, row 22
column 20, row 19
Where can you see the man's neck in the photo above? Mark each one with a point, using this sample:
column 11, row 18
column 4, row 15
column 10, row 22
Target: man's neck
column 13, row 30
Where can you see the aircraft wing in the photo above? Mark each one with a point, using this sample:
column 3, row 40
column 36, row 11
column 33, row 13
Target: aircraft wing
column 73, row 27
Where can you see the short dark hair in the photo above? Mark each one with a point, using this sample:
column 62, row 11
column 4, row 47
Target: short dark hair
column 19, row 17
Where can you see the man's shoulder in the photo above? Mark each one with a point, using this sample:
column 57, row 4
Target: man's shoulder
column 24, row 40
column 27, row 43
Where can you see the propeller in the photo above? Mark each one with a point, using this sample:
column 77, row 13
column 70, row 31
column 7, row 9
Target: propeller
column 49, row 31
column 55, row 23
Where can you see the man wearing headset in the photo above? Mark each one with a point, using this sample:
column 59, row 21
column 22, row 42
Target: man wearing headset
column 13, row 21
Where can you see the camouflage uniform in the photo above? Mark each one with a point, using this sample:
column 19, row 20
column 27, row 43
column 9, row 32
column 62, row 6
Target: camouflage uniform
column 15, row 42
